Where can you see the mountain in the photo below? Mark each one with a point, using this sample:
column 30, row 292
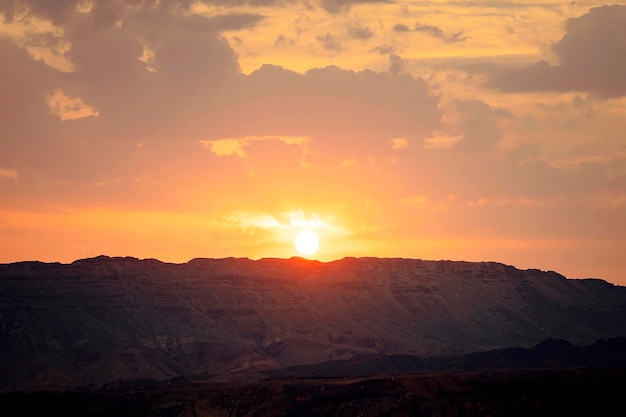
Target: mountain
column 102, row 320
column 549, row 354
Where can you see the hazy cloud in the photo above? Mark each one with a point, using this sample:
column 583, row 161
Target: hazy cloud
column 8, row 173
column 399, row 143
column 426, row 202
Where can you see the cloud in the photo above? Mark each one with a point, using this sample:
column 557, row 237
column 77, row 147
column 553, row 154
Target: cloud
column 383, row 49
column 425, row 202
column 284, row 220
column 161, row 81
column 336, row 6
column 399, row 27
column 592, row 58
column 108, row 77
column 235, row 146
column 348, row 163
column 68, row 108
column 251, row 3
column 155, row 66
column 57, row 11
column 456, row 202
column 438, row 33
column 332, row 103
column 282, row 40
column 357, row 31
column 468, row 126
column 8, row 173
column 227, row 147
column 40, row 38
column 608, row 200
column 442, row 140
column 329, row 42
column 431, row 30
column 396, row 64
column 478, row 124
column 221, row 22
column 399, row 143
column 106, row 14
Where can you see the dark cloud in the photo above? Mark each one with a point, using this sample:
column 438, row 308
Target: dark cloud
column 396, row 64
column 456, row 37
column 253, row 3
column 437, row 32
column 55, row 10
column 433, row 31
column 336, row 6
column 282, row 40
column 480, row 130
column 205, row 58
column 107, row 12
column 401, row 28
column 190, row 64
column 234, row 21
column 592, row 58
column 360, row 32
column 43, row 40
column 189, row 88
column 349, row 115
column 383, row 49
column 329, row 42
column 492, row 4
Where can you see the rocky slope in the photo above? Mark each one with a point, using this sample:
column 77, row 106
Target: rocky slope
column 107, row 319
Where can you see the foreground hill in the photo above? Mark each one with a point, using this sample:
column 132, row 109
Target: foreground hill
column 101, row 320
column 510, row 393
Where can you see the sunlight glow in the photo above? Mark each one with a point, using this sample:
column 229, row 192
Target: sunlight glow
column 306, row 242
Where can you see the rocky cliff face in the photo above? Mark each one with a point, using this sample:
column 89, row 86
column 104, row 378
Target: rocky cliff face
column 107, row 319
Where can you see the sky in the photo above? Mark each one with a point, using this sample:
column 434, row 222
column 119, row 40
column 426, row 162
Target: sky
column 475, row 130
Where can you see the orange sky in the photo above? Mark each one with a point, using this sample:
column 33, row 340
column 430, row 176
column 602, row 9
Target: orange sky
column 173, row 129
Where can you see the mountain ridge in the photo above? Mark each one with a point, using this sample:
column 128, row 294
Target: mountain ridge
column 547, row 354
column 100, row 320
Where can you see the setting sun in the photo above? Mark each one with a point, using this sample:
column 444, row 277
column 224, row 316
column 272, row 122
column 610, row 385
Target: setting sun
column 306, row 242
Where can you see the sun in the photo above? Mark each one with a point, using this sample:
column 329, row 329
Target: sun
column 307, row 242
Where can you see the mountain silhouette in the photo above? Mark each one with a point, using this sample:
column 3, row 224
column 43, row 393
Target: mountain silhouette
column 101, row 320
